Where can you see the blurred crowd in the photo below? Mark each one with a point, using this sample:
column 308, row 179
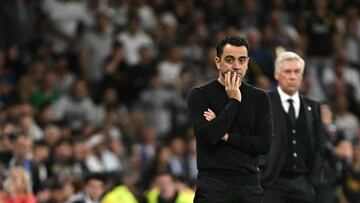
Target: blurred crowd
column 93, row 92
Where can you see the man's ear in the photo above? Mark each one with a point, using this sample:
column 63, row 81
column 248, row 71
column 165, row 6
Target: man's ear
column 276, row 76
column 217, row 61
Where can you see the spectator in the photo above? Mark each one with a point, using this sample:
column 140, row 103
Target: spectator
column 41, row 154
column 140, row 74
column 20, row 17
column 147, row 146
column 8, row 135
column 81, row 151
column 345, row 120
column 96, row 44
column 133, row 39
column 116, row 73
column 351, row 35
column 29, row 127
column 46, row 93
column 178, row 159
column 347, row 75
column 146, row 15
column 21, row 156
column 261, row 54
column 18, row 187
column 338, row 152
column 120, row 193
column 65, row 17
column 160, row 164
column 320, row 36
column 351, row 193
column 166, row 190
column 65, row 78
column 93, row 189
column 112, row 111
column 28, row 83
column 77, row 107
column 191, row 165
column 8, row 92
column 62, row 167
column 169, row 69
column 101, row 159
column 158, row 112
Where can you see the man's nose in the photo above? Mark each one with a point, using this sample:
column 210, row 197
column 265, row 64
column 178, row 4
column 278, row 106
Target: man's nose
column 292, row 75
column 236, row 65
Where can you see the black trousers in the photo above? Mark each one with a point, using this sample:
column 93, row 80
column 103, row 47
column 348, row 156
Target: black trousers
column 210, row 190
column 290, row 190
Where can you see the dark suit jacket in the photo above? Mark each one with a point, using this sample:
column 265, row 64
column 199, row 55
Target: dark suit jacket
column 271, row 164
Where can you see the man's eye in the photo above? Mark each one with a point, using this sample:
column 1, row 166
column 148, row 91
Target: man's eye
column 229, row 60
column 243, row 59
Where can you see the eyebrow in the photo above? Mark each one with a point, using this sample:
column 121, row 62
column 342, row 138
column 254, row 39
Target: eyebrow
column 240, row 57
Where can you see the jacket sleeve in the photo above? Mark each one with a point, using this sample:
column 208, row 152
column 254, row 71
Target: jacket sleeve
column 206, row 132
column 260, row 141
column 319, row 134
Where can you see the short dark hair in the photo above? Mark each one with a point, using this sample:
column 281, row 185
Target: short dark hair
column 233, row 40
column 94, row 176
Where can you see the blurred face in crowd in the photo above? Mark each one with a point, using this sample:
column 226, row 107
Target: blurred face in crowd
column 166, row 186
column 22, row 147
column 26, row 123
column 177, row 146
column 63, row 151
column 102, row 22
column 134, row 25
column 46, row 115
column 110, row 96
column 52, row 135
column 80, row 151
column 80, row 90
column 49, row 80
column 234, row 59
column 289, row 76
column 18, row 181
column 94, row 188
column 41, row 153
column 341, row 104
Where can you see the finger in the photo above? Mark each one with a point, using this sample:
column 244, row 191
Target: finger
column 209, row 110
column 227, row 78
column 233, row 78
column 209, row 117
column 212, row 114
column 206, row 113
column 238, row 81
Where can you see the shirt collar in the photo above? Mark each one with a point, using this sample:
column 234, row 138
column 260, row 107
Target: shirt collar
column 284, row 97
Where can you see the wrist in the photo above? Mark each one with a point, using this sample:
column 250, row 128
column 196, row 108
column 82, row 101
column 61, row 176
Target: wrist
column 236, row 98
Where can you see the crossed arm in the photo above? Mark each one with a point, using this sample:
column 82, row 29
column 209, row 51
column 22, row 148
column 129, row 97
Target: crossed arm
column 210, row 115
column 211, row 128
column 253, row 144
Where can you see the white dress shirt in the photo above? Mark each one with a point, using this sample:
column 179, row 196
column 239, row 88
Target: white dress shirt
column 284, row 101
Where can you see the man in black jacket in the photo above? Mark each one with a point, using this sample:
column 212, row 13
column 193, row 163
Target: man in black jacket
column 290, row 169
column 233, row 126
